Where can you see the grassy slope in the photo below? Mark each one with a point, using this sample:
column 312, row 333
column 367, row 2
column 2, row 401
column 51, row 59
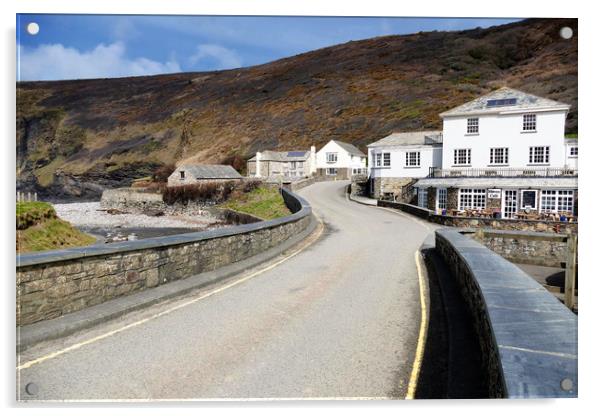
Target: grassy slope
column 358, row 92
column 265, row 203
column 48, row 232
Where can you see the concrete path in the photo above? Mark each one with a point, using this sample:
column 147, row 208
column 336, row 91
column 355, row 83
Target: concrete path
column 339, row 319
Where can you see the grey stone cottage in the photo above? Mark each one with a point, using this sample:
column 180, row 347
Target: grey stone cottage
column 198, row 173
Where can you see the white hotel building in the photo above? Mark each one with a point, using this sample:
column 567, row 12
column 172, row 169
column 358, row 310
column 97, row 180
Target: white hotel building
column 505, row 151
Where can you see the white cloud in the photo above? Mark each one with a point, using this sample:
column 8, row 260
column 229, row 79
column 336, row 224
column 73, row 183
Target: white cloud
column 224, row 58
column 53, row 62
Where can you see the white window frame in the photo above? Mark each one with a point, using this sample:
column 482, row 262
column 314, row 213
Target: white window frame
column 472, row 198
column 573, row 151
column 413, row 159
column 556, row 200
column 332, row 157
column 331, row 171
column 386, row 159
column 539, row 153
column 377, row 160
column 522, row 198
column 292, row 165
column 466, row 157
column 498, row 155
column 472, row 125
column 530, row 122
column 442, row 198
column 423, row 197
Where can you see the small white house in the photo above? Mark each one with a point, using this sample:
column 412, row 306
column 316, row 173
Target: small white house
column 341, row 160
column 396, row 161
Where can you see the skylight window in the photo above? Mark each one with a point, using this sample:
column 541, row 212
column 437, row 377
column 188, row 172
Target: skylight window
column 501, row 102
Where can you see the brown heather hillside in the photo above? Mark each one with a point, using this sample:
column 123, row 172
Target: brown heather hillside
column 74, row 137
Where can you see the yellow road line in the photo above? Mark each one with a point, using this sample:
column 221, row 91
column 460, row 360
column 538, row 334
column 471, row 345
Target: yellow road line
column 413, row 382
column 175, row 308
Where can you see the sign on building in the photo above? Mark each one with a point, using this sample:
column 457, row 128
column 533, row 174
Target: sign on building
column 494, row 193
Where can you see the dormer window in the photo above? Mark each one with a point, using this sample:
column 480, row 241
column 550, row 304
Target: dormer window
column 472, row 126
column 529, row 122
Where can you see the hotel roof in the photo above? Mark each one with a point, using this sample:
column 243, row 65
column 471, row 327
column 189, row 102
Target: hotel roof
column 505, row 100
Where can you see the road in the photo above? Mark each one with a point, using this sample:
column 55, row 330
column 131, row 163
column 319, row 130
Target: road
column 340, row 319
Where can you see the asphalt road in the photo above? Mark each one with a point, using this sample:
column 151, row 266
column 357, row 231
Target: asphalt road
column 338, row 320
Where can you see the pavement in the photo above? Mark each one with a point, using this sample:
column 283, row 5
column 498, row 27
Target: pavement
column 337, row 319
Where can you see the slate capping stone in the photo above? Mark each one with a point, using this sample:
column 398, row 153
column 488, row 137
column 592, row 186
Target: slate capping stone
column 528, row 338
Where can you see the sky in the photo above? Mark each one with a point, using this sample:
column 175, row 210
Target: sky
column 104, row 46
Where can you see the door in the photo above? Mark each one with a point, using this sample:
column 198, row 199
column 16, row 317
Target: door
column 509, row 203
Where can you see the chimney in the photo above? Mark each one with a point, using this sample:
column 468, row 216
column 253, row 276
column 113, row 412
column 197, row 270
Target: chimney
column 257, row 164
column 312, row 160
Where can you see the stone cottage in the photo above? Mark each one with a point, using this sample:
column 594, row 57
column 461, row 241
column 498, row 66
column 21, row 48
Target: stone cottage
column 198, row 173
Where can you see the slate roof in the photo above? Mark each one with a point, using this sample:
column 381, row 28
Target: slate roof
column 524, row 102
column 211, row 171
column 411, row 138
column 351, row 149
column 534, row 182
column 290, row 156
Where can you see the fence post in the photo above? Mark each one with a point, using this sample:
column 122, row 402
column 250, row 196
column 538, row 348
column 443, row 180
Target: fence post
column 570, row 272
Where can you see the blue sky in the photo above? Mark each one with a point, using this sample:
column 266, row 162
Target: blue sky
column 99, row 46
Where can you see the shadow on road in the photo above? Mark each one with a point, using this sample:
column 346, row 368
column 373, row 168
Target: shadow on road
column 452, row 366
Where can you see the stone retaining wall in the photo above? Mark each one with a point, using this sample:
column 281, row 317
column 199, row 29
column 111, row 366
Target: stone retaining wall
column 54, row 283
column 528, row 339
column 559, row 227
column 542, row 249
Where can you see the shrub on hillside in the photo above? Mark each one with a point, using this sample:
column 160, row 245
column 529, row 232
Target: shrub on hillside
column 162, row 172
column 32, row 213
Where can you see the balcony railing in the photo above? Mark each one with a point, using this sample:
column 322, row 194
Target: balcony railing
column 502, row 172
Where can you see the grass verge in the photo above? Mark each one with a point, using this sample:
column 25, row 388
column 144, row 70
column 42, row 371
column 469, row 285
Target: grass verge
column 39, row 229
column 263, row 202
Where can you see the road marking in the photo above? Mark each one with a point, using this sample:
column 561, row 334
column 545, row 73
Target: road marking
column 78, row 345
column 413, row 382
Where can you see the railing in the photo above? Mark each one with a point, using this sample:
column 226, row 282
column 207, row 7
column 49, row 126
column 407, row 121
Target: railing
column 502, row 172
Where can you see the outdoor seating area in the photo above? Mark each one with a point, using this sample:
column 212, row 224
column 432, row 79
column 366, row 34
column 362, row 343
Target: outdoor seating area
column 562, row 216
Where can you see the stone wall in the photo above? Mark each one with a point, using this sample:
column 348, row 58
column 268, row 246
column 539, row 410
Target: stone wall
column 389, row 185
column 527, row 338
column 51, row 284
column 132, row 200
column 543, row 249
column 558, row 227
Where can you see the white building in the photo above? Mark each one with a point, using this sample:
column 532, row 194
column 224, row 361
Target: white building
column 505, row 151
column 341, row 160
column 396, row 161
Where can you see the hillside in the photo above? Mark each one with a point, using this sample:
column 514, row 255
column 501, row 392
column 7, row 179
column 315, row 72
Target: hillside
column 74, row 137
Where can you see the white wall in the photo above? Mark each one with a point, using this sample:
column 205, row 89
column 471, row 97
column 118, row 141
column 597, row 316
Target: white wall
column 344, row 159
column 430, row 156
column 505, row 131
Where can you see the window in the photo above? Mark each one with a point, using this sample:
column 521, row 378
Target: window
column 412, row 158
column 573, row 151
column 292, row 165
column 442, row 198
column 300, row 165
column 556, row 201
column 539, row 154
column 422, row 197
column 386, row 159
column 498, row 156
column 182, row 174
column 472, row 126
column 529, row 122
column 472, row 199
column 331, row 157
column 528, row 199
column 331, row 171
column 461, row 156
column 378, row 159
